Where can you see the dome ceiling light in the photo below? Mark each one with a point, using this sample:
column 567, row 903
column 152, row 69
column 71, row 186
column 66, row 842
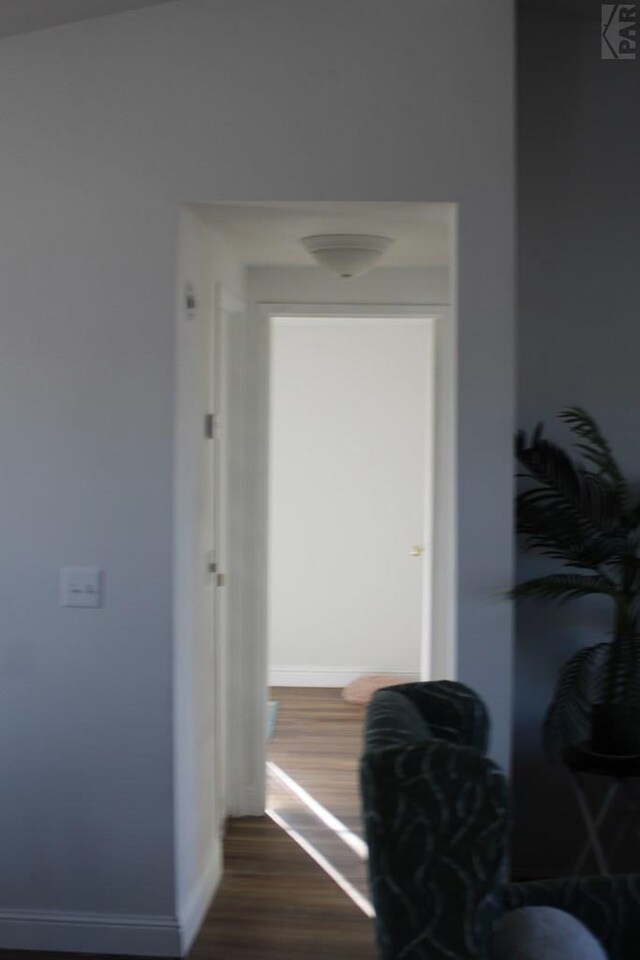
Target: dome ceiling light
column 346, row 254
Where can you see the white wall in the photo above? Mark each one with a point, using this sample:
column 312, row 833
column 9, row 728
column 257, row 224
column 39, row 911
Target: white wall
column 246, row 695
column 348, row 436
column 382, row 285
column 579, row 287
column 107, row 126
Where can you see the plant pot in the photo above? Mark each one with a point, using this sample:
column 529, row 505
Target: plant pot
column 615, row 729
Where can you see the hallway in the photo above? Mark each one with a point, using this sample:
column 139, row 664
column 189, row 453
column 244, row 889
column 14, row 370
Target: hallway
column 275, row 901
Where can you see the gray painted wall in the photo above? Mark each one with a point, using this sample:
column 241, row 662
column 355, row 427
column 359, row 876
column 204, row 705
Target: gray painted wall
column 107, row 126
column 578, row 343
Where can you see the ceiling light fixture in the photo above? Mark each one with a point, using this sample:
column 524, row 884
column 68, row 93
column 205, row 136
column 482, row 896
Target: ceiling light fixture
column 347, row 254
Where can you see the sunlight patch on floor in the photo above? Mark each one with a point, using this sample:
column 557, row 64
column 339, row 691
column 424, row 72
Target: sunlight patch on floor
column 361, row 902
column 352, row 840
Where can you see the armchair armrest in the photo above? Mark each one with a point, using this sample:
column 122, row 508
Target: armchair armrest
column 608, row 906
column 436, row 821
column 452, row 711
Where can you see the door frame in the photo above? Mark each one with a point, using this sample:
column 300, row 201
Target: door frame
column 225, row 305
column 248, row 667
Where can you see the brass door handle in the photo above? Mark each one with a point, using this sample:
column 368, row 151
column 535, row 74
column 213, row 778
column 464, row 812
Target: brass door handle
column 416, row 551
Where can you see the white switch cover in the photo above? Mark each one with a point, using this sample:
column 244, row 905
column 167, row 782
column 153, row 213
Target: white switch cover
column 80, row 587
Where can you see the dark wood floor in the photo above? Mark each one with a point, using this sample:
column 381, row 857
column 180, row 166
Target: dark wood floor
column 318, row 741
column 274, row 900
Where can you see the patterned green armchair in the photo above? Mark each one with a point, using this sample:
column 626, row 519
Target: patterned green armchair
column 436, row 814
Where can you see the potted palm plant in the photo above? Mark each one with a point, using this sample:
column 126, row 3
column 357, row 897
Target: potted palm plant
column 582, row 514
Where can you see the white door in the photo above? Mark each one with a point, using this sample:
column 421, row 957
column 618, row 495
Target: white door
column 349, row 497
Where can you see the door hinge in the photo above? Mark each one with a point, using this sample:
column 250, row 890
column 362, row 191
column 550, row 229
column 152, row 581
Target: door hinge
column 211, row 426
column 220, row 580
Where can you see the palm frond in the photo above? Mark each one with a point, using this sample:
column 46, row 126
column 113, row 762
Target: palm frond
column 624, row 671
column 564, row 586
column 570, row 513
column 548, row 463
column 584, row 502
column 607, row 673
column 551, row 525
column 582, row 682
column 581, row 514
column 594, row 448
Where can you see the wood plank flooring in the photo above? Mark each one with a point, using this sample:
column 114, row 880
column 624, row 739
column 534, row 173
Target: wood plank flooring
column 274, row 900
column 318, row 742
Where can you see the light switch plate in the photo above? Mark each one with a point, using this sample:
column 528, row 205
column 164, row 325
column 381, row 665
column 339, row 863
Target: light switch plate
column 80, row 587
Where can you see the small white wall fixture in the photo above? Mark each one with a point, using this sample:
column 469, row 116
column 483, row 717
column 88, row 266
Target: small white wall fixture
column 346, row 254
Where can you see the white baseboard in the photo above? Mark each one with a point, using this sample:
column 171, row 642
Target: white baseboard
column 328, row 677
column 248, row 802
column 195, row 909
column 54, row 931
column 147, row 936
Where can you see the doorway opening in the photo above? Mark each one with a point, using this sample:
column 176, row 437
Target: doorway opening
column 350, row 506
column 247, row 286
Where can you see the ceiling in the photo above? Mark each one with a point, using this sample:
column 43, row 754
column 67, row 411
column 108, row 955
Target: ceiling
column 268, row 234
column 24, row 16
column 578, row 9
